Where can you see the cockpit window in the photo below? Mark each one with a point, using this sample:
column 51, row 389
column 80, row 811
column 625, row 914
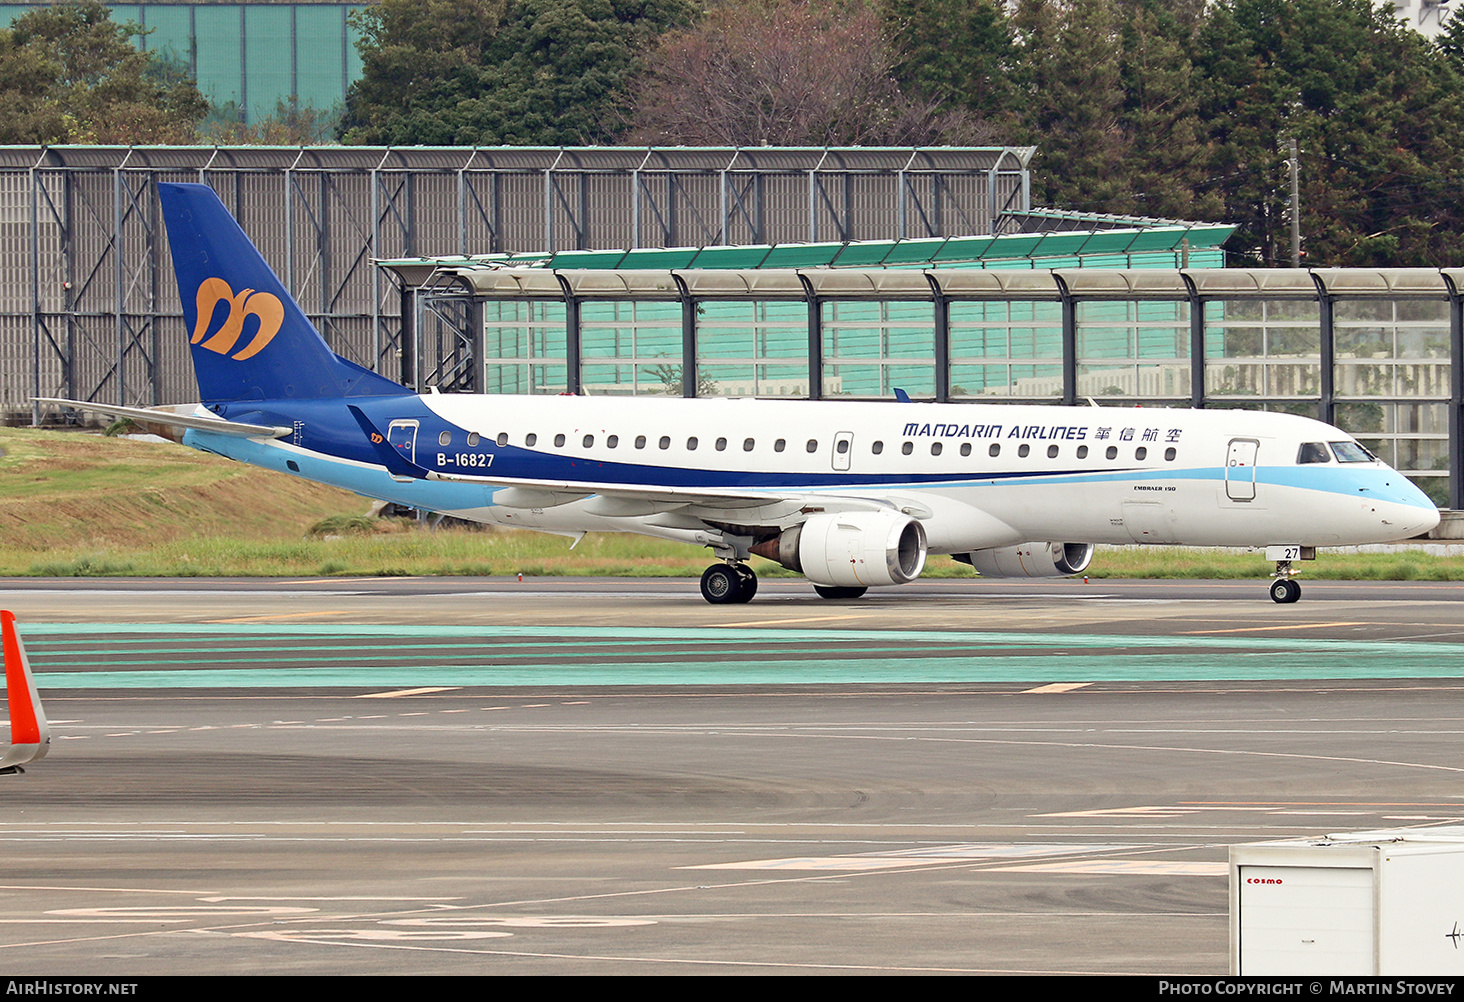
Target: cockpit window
column 1351, row 452
column 1313, row 452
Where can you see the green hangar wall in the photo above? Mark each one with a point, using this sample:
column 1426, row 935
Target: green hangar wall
column 253, row 55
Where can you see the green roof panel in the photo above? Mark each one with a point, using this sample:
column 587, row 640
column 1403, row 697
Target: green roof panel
column 660, row 257
column 914, row 251
column 964, row 249
column 801, row 255
column 864, row 254
column 743, row 256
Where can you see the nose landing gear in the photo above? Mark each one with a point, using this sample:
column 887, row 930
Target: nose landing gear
column 1285, row 589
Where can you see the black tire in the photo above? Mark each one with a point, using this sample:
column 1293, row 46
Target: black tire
column 1284, row 591
column 749, row 582
column 828, row 591
column 721, row 584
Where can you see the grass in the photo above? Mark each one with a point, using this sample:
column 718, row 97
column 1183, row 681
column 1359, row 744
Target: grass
column 74, row 505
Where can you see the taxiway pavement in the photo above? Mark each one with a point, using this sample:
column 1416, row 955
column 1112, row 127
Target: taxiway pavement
column 562, row 776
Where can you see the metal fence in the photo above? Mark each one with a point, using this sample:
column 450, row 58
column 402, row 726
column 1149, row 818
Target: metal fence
column 92, row 311
column 1372, row 351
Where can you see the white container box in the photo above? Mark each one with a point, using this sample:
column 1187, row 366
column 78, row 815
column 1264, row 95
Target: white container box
column 1370, row 903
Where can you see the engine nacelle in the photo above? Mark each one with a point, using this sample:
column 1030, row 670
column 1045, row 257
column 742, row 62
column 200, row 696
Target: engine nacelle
column 1031, row 560
column 859, row 549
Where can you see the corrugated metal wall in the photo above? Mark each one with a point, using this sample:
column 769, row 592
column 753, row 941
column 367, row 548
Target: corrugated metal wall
column 91, row 310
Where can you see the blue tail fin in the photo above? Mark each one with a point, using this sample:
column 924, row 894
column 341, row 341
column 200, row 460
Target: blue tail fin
column 250, row 340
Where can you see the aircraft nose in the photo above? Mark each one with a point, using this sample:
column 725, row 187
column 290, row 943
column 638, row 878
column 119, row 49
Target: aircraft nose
column 1406, row 509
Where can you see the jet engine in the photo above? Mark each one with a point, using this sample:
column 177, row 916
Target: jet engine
column 851, row 550
column 1030, row 560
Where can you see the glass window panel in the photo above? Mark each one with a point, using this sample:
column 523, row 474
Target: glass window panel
column 980, row 381
column 734, row 338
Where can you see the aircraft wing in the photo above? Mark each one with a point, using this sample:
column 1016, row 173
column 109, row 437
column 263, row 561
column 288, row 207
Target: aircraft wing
column 158, row 415
column 611, row 500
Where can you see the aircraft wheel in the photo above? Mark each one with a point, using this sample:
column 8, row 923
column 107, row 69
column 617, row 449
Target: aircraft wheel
column 748, row 582
column 828, row 591
column 1284, row 591
column 721, row 584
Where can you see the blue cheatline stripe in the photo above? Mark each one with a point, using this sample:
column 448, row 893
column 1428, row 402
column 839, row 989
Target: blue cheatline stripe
column 733, row 657
column 373, row 481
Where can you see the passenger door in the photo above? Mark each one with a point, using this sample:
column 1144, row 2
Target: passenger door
column 402, row 434
column 1240, row 469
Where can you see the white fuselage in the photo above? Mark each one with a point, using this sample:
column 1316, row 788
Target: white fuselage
column 977, row 476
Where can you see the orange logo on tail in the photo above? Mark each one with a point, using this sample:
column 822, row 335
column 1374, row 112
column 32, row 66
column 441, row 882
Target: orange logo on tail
column 266, row 307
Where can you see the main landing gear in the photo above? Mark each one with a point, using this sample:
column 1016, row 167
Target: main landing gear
column 725, row 584
column 1285, row 589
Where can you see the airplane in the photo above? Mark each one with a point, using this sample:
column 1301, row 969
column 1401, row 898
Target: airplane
column 30, row 734
column 852, row 495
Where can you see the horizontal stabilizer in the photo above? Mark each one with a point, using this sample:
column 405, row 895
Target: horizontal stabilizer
column 30, row 735
column 157, row 415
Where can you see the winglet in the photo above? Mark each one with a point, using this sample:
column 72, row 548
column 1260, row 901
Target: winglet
column 30, row 735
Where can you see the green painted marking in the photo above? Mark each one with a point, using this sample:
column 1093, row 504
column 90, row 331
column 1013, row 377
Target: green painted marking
column 632, row 656
column 486, row 636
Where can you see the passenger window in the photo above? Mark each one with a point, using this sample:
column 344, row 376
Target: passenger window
column 502, row 438
column 813, row 445
column 780, row 445
column 747, row 445
column 559, row 441
column 721, row 444
column 995, row 449
column 1082, row 452
column 613, row 441
column 529, row 439
column 445, row 438
column 665, row 442
column 1111, row 452
column 965, row 448
column 876, row 447
column 589, row 441
column 691, row 444
column 1169, row 454
column 935, row 448
column 1052, row 452
column 907, row 448
column 1024, row 450
column 473, row 439
column 1141, row 453
column 1313, row 452
column 640, row 441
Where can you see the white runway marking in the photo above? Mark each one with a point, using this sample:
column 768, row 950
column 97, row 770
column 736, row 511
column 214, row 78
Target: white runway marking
column 1144, row 867
column 407, row 692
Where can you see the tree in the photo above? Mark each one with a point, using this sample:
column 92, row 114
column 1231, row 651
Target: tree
column 1167, row 159
column 1375, row 110
column 68, row 74
column 291, row 124
column 782, row 73
column 491, row 72
column 958, row 53
column 1073, row 111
